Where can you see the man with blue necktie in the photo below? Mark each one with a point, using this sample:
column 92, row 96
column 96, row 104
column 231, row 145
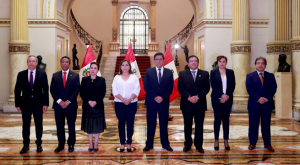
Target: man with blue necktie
column 261, row 86
column 31, row 97
column 158, row 84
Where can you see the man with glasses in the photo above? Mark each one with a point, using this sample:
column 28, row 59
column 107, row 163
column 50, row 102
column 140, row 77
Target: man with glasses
column 261, row 87
column 31, row 97
column 193, row 85
column 158, row 84
column 64, row 89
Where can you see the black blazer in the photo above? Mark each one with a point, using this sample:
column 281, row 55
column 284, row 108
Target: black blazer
column 94, row 91
column 153, row 89
column 32, row 97
column 70, row 92
column 216, row 83
column 256, row 90
column 187, row 87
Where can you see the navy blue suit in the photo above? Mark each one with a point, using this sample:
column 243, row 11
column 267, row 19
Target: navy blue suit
column 153, row 89
column 31, row 102
column 69, row 92
column 259, row 111
column 221, row 110
column 188, row 87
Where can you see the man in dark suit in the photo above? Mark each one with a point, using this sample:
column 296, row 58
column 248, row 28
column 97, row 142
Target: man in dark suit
column 33, row 85
column 158, row 84
column 64, row 89
column 261, row 86
column 193, row 85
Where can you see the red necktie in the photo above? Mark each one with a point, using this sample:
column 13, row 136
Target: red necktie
column 65, row 79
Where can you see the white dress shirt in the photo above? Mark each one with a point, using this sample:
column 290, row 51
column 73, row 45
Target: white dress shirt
column 126, row 88
column 33, row 74
column 224, row 83
column 58, row 101
column 161, row 71
column 263, row 73
column 195, row 73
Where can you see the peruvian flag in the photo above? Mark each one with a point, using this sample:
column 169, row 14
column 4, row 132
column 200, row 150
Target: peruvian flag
column 85, row 67
column 169, row 63
column 135, row 69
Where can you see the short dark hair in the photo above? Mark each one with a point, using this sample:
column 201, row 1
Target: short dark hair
column 159, row 54
column 261, row 58
column 36, row 60
column 94, row 63
column 120, row 70
column 191, row 57
column 67, row 58
column 220, row 57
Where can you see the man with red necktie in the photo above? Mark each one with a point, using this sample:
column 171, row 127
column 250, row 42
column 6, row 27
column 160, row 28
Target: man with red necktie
column 31, row 97
column 64, row 89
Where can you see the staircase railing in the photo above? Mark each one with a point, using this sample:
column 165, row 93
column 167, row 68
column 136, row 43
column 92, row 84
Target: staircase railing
column 87, row 38
column 183, row 35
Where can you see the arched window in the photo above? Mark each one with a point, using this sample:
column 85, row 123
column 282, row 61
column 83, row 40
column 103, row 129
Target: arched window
column 134, row 28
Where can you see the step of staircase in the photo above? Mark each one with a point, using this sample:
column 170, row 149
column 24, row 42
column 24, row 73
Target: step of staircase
column 107, row 69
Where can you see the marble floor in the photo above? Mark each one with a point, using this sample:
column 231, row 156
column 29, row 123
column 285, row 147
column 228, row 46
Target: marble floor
column 285, row 140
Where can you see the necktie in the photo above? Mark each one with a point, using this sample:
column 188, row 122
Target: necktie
column 65, row 78
column 194, row 76
column 261, row 78
column 31, row 79
column 159, row 76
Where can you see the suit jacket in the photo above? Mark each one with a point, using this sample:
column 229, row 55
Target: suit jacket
column 92, row 91
column 32, row 97
column 256, row 90
column 153, row 88
column 70, row 92
column 216, row 83
column 187, row 87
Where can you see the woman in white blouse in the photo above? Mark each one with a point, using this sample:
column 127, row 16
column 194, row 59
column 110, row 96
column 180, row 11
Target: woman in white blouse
column 126, row 89
column 223, row 84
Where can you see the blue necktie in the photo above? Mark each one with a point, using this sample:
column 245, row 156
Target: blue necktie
column 194, row 76
column 159, row 76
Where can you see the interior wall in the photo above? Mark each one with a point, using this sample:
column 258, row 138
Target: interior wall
column 4, row 64
column 5, row 9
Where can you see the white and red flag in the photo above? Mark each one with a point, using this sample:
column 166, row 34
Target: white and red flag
column 169, row 63
column 85, row 67
column 135, row 69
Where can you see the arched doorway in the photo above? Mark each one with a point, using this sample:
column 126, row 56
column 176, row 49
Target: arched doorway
column 134, row 24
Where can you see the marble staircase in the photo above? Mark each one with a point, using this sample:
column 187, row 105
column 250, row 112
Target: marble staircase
column 107, row 70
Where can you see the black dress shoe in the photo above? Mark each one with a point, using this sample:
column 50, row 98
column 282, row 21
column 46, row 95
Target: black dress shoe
column 39, row 149
column 96, row 149
column 122, row 150
column 147, row 148
column 227, row 148
column 201, row 150
column 59, row 148
column 71, row 148
column 128, row 149
column 168, row 148
column 91, row 149
column 217, row 148
column 186, row 148
column 24, row 149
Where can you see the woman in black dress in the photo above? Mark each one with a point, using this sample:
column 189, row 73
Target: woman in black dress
column 92, row 92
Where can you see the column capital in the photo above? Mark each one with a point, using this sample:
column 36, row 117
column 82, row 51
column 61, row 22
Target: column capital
column 114, row 2
column 153, row 2
column 240, row 49
column 296, row 45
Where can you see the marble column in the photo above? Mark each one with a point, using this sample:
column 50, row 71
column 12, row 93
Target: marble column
column 240, row 51
column 296, row 57
column 153, row 45
column 282, row 35
column 114, row 45
column 19, row 46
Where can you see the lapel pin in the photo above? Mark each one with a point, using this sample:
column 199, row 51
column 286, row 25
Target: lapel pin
column 70, row 75
column 199, row 75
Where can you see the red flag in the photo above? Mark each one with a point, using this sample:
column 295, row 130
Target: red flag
column 169, row 63
column 88, row 58
column 135, row 69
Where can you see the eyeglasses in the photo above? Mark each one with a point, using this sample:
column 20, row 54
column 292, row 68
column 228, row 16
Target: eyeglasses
column 193, row 61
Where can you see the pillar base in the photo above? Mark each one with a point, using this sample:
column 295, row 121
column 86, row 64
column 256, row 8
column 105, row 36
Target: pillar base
column 9, row 107
column 296, row 108
column 240, row 104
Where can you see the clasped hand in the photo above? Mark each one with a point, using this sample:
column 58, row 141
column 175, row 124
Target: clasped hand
column 262, row 100
column 224, row 98
column 92, row 103
column 193, row 99
column 127, row 101
column 64, row 104
column 158, row 99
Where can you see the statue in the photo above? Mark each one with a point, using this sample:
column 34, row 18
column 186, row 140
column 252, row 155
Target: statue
column 215, row 64
column 75, row 58
column 283, row 65
column 186, row 52
column 41, row 65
